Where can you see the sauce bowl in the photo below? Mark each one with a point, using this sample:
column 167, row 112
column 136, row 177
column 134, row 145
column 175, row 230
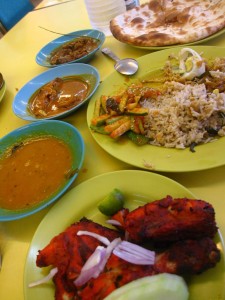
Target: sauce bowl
column 60, row 130
column 22, row 98
column 42, row 58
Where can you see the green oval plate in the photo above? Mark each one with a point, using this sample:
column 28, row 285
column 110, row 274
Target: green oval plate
column 152, row 157
column 82, row 201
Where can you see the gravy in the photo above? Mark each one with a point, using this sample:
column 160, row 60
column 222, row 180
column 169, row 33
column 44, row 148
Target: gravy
column 58, row 96
column 32, row 171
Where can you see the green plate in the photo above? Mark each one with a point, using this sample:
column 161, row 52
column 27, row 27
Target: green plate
column 152, row 157
column 82, row 201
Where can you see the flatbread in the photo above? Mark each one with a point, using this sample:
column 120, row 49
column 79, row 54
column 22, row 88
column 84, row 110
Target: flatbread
column 169, row 22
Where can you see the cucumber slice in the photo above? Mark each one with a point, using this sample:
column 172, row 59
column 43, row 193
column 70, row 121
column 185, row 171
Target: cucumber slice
column 157, row 287
column 113, row 202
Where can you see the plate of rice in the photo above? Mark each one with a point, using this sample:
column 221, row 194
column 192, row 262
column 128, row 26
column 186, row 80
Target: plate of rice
column 169, row 116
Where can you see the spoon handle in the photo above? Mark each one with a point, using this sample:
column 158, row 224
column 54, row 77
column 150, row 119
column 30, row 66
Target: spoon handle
column 108, row 52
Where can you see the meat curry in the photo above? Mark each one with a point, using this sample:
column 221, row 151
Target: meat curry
column 73, row 50
column 59, row 95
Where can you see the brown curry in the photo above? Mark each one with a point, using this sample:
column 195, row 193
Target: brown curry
column 73, row 50
column 59, row 95
column 32, row 171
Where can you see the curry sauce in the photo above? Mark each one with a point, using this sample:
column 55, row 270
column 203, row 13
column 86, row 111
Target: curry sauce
column 58, row 95
column 32, row 171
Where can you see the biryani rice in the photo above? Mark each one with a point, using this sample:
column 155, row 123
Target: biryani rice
column 181, row 115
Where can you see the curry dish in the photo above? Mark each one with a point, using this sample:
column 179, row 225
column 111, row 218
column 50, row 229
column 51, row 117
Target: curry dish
column 73, row 50
column 59, row 95
column 32, row 171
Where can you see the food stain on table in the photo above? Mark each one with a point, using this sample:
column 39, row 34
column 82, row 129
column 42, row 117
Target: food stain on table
column 32, row 171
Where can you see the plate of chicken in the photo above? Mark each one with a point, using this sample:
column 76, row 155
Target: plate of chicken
column 160, row 216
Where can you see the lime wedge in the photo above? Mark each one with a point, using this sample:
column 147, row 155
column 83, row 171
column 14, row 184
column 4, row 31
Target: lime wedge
column 112, row 203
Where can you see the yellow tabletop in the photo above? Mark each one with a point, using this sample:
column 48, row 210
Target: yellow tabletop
column 18, row 49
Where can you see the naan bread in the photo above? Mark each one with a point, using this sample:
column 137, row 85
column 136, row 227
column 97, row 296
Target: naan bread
column 169, row 22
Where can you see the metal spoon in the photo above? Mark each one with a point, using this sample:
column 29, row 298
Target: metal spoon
column 127, row 66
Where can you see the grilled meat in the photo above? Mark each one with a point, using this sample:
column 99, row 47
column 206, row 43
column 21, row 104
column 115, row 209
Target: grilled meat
column 68, row 252
column 169, row 220
column 117, row 273
column 188, row 257
column 182, row 258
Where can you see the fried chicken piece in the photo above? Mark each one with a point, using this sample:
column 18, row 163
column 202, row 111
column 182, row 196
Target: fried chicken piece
column 169, row 220
column 68, row 252
column 188, row 257
column 117, row 273
column 182, row 258
column 120, row 217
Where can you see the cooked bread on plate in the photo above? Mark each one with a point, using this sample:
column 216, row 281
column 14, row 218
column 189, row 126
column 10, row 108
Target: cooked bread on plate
column 168, row 22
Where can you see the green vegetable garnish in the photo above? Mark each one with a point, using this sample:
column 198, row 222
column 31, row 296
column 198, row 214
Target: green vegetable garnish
column 112, row 203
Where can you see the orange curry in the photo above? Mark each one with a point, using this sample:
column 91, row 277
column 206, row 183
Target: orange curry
column 32, row 171
column 57, row 96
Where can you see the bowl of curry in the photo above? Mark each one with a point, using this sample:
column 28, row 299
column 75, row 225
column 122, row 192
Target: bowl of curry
column 56, row 92
column 74, row 47
column 38, row 163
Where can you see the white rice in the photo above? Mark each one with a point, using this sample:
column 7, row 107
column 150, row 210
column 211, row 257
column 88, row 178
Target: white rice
column 181, row 115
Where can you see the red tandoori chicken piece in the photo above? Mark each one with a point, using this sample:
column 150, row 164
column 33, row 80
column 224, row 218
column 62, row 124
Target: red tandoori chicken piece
column 187, row 224
column 68, row 252
column 186, row 257
column 169, row 220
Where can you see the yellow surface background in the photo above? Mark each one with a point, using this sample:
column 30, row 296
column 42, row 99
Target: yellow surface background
column 18, row 49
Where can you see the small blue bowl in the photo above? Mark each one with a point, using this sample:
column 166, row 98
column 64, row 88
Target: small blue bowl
column 42, row 58
column 59, row 129
column 20, row 103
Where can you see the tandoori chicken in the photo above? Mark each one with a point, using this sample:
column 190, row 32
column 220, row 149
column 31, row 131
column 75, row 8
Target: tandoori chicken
column 192, row 251
column 169, row 220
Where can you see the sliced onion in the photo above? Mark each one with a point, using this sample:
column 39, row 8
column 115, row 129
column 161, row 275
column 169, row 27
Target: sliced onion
column 91, row 268
column 96, row 263
column 114, row 222
column 95, row 258
column 45, row 279
column 134, row 254
column 127, row 251
column 99, row 237
column 135, row 249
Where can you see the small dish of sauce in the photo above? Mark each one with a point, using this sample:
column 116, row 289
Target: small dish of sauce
column 32, row 171
column 59, row 95
column 73, row 50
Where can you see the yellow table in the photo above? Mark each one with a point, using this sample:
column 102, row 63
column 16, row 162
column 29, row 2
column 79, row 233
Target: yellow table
column 18, row 49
